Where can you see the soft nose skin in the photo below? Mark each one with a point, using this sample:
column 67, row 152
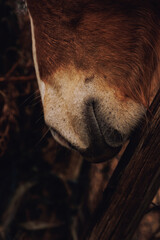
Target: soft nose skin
column 111, row 136
column 105, row 142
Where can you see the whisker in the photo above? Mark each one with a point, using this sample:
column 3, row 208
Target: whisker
column 29, row 97
column 43, row 136
column 37, row 102
column 37, row 97
column 42, row 115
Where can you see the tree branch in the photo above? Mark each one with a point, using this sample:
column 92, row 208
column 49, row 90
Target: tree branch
column 133, row 184
column 18, row 78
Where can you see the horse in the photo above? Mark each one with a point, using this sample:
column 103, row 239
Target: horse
column 97, row 65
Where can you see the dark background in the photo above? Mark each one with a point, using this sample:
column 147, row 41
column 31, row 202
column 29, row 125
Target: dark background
column 37, row 179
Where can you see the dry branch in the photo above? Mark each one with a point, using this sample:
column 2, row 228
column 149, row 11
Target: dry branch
column 18, row 78
column 133, row 184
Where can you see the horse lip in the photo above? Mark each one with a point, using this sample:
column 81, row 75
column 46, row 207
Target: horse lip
column 106, row 155
column 94, row 154
column 63, row 141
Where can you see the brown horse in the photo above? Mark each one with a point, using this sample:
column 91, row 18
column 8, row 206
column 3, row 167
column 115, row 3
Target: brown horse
column 97, row 64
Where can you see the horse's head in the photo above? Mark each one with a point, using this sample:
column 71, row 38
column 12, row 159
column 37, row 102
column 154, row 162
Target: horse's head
column 96, row 64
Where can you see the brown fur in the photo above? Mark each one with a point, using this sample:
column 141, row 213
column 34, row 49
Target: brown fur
column 117, row 39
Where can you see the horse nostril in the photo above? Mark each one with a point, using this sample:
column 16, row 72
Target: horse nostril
column 100, row 128
column 113, row 137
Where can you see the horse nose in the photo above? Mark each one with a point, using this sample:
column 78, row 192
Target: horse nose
column 113, row 137
column 99, row 126
column 104, row 139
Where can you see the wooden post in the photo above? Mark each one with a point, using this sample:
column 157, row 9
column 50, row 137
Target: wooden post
column 133, row 184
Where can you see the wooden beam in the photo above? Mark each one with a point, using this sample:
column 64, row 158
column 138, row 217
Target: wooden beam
column 133, row 184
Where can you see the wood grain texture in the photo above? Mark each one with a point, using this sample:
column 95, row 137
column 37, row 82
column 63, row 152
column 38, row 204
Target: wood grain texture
column 133, row 184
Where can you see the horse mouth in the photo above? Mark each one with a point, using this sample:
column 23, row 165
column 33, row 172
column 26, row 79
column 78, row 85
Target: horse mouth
column 98, row 152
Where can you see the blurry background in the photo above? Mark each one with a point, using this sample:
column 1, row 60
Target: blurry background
column 36, row 175
column 46, row 191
